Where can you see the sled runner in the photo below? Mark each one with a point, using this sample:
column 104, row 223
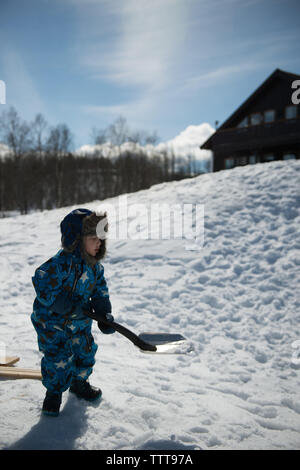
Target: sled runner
column 163, row 343
column 16, row 372
column 8, row 360
column 20, row 373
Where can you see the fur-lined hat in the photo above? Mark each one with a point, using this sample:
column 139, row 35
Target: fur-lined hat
column 78, row 224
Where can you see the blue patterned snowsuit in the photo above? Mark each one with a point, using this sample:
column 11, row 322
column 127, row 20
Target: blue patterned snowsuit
column 66, row 287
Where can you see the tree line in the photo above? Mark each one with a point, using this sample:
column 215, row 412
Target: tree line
column 42, row 172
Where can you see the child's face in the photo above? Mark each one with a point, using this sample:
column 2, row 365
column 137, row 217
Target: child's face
column 91, row 244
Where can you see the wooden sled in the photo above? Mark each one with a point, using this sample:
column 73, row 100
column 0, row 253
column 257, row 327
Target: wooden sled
column 8, row 360
column 20, row 373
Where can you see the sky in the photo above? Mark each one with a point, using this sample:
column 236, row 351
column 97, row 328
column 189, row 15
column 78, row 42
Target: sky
column 164, row 65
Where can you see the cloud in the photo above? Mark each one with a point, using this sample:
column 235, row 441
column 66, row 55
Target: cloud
column 187, row 143
column 132, row 42
column 217, row 75
column 149, row 43
column 21, row 89
column 193, row 136
column 134, row 110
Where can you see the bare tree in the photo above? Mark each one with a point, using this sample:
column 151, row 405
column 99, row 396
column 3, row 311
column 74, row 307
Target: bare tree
column 118, row 131
column 152, row 138
column 143, row 137
column 98, row 136
column 38, row 127
column 59, row 145
column 60, row 140
column 15, row 132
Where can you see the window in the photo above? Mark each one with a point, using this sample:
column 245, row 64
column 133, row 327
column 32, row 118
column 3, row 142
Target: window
column 289, row 156
column 243, row 123
column 253, row 159
column 229, row 163
column 241, row 161
column 269, row 115
column 255, row 119
column 269, row 157
column 290, row 112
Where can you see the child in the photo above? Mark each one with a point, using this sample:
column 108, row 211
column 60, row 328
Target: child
column 70, row 289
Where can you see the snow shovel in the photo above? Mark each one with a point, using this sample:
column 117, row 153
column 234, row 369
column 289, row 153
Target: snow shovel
column 163, row 343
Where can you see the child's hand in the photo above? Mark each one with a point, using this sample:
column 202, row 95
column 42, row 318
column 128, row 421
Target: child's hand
column 107, row 330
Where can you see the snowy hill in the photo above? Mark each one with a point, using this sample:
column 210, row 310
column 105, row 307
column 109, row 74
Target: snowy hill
column 236, row 299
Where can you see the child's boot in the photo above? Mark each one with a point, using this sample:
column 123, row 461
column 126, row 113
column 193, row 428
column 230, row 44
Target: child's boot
column 83, row 389
column 52, row 403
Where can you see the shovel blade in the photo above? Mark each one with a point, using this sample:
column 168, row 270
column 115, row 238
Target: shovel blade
column 167, row 343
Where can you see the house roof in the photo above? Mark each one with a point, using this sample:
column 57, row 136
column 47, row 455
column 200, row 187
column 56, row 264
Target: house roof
column 277, row 73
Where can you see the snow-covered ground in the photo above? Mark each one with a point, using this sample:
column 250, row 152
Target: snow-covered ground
column 236, row 299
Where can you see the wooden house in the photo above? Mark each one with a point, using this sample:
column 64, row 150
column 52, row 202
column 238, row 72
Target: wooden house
column 264, row 128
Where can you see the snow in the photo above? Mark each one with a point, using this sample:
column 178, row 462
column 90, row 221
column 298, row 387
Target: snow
column 236, row 298
column 4, row 150
column 184, row 146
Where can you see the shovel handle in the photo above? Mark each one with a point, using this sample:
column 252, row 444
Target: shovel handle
column 136, row 340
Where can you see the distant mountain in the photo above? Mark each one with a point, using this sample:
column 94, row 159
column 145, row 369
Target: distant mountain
column 4, row 150
column 185, row 147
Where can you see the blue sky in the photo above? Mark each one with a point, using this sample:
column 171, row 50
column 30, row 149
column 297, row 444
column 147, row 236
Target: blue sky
column 162, row 64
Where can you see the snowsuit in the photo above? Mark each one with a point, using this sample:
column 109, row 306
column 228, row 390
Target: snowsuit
column 68, row 287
